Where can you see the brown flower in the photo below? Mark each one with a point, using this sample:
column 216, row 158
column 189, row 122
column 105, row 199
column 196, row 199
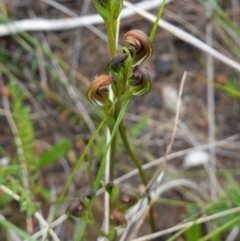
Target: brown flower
column 140, row 46
column 140, row 82
column 98, row 91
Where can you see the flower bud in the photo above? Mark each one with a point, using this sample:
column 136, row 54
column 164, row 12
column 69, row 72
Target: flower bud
column 117, row 218
column 140, row 46
column 120, row 66
column 98, row 91
column 140, row 82
column 109, row 187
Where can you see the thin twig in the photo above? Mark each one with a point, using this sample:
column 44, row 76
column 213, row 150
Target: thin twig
column 45, row 229
column 211, row 167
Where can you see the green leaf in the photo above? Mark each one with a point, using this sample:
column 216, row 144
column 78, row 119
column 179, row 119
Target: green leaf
column 102, row 9
column 232, row 88
column 221, row 229
column 54, row 153
column 229, row 199
column 116, row 7
column 193, row 233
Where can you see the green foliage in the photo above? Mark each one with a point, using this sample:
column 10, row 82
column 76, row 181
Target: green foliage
column 226, row 226
column 13, row 174
column 232, row 88
column 21, row 116
column 8, row 173
column 26, row 202
column 193, row 233
column 229, row 199
column 58, row 150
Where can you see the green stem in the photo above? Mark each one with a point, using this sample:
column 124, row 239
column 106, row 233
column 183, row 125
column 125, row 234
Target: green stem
column 112, row 156
column 122, row 130
column 128, row 148
column 111, row 32
column 103, row 162
column 155, row 25
column 80, row 231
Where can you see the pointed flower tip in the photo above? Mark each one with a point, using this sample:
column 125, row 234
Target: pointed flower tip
column 98, row 91
column 117, row 61
column 140, row 45
column 120, row 66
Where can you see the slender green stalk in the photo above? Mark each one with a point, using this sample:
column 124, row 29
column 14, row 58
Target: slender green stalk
column 103, row 161
column 135, row 160
column 115, row 128
column 80, row 231
column 128, row 148
column 112, row 35
column 111, row 32
column 155, row 25
column 221, row 229
column 112, row 156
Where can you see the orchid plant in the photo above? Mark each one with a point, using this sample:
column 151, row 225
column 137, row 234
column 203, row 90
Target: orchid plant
column 112, row 92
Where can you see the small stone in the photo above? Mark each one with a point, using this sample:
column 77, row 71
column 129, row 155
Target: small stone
column 195, row 158
column 170, row 98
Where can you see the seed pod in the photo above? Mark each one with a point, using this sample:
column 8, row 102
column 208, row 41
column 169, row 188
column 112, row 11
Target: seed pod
column 128, row 199
column 117, row 218
column 98, row 91
column 140, row 46
column 140, row 82
column 76, row 209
